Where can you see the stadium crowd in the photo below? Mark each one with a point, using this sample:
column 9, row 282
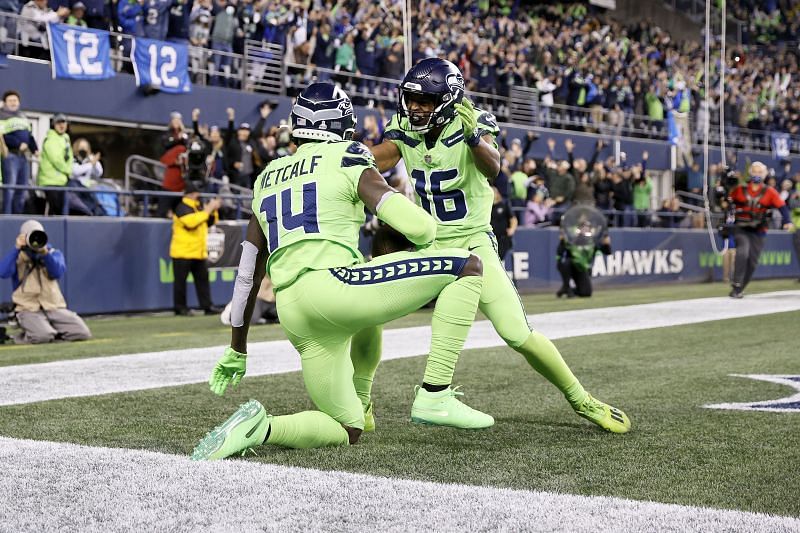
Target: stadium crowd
column 572, row 53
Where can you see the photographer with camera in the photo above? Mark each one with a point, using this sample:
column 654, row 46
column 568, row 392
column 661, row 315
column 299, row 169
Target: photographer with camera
column 751, row 204
column 189, row 248
column 35, row 268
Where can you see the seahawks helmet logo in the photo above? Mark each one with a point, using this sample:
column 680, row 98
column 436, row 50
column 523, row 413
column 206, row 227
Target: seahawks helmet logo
column 456, row 84
column 345, row 106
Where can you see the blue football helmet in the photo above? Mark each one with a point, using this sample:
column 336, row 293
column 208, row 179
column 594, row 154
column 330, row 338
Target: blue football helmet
column 434, row 78
column 323, row 112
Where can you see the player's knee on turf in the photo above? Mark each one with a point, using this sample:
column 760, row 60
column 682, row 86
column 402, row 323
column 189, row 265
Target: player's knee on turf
column 352, row 434
column 474, row 267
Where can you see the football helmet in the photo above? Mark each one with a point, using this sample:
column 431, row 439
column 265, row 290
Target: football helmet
column 434, row 78
column 323, row 112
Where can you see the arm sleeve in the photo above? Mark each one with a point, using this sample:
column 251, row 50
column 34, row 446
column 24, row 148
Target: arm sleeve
column 54, row 262
column 32, row 143
column 8, row 264
column 407, row 218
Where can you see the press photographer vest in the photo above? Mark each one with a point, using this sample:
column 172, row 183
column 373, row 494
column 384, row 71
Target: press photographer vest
column 751, row 214
column 36, row 291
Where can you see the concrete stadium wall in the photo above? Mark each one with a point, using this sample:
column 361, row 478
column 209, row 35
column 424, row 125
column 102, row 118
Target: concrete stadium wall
column 123, row 265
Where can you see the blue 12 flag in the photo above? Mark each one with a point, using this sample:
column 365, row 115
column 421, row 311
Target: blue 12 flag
column 161, row 65
column 79, row 53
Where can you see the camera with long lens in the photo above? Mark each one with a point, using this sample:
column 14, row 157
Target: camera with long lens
column 35, row 236
column 196, row 164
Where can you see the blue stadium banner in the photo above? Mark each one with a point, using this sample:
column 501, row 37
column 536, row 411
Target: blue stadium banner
column 161, row 65
column 79, row 53
column 781, row 145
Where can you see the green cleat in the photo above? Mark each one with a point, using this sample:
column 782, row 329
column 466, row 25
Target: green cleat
column 444, row 409
column 247, row 427
column 369, row 418
column 607, row 417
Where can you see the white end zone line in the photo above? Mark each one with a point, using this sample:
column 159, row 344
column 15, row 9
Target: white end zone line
column 122, row 373
column 66, row 487
column 782, row 405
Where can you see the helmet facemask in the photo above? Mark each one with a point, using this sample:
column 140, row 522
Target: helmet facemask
column 443, row 112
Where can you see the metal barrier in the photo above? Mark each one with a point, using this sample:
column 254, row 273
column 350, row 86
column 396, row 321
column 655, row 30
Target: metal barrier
column 143, row 195
column 264, row 67
column 136, row 166
column 691, row 217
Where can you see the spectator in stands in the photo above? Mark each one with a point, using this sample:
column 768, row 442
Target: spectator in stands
column 178, row 24
column 393, row 65
column 367, row 54
column 33, row 28
column 55, row 170
column 86, row 166
column 199, row 34
column 560, row 180
column 324, row 48
column 35, row 267
column 76, row 17
column 243, row 157
column 222, row 34
column 622, row 190
column 18, row 137
column 537, row 209
column 346, row 59
column 98, row 13
column 174, row 145
column 189, row 249
column 8, row 25
column 131, row 18
column 545, row 86
column 156, row 19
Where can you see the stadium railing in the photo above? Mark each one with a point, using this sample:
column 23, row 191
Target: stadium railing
column 144, row 198
column 142, row 170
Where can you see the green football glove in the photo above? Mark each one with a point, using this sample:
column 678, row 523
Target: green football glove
column 469, row 122
column 230, row 369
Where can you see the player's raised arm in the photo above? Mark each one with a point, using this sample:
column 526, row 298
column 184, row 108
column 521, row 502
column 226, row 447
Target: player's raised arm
column 232, row 366
column 484, row 152
column 386, row 154
column 395, row 209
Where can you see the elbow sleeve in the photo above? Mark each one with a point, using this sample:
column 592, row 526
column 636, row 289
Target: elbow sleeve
column 407, row 218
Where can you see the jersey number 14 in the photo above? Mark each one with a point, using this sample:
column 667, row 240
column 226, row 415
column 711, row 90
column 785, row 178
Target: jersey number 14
column 447, row 206
column 306, row 219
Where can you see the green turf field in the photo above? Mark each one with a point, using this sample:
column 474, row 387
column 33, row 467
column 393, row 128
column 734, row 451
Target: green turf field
column 114, row 335
column 677, row 451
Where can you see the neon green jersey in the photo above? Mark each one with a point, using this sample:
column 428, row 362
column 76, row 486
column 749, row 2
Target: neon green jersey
column 447, row 184
column 308, row 207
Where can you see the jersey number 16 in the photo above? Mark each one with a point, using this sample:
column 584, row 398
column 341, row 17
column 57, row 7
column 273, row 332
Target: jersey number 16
column 447, row 205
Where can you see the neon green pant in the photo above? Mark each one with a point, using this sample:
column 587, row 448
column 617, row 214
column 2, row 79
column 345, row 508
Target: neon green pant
column 323, row 309
column 499, row 301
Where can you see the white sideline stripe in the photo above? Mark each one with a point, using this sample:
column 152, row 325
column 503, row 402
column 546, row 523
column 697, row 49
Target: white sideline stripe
column 122, row 373
column 66, row 487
